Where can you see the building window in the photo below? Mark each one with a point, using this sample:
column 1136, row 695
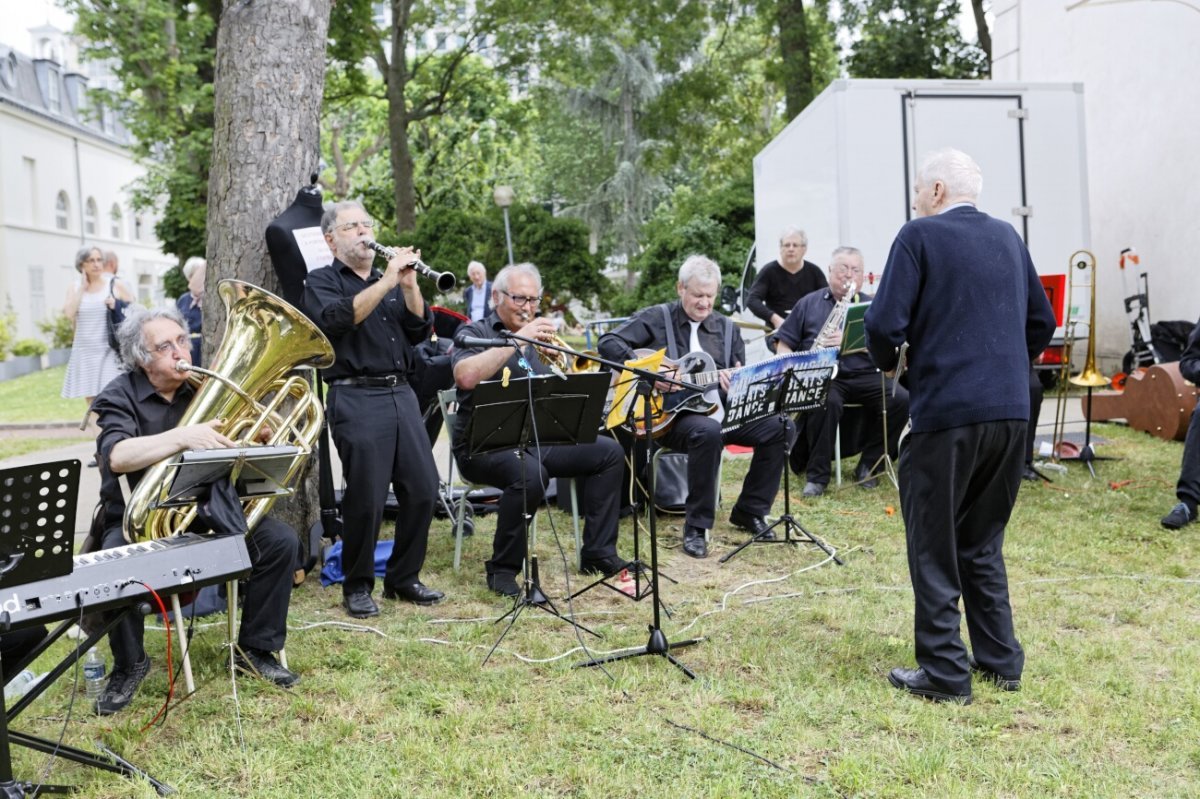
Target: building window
column 37, row 292
column 62, row 212
column 118, row 228
column 441, row 43
column 137, row 227
column 53, row 91
column 89, row 216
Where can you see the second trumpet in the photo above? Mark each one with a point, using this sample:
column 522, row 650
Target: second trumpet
column 443, row 280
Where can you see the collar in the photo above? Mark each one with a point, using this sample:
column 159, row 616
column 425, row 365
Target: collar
column 144, row 390
column 963, row 204
column 709, row 325
column 344, row 267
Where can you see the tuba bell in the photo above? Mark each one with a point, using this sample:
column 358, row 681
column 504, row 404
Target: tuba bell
column 249, row 387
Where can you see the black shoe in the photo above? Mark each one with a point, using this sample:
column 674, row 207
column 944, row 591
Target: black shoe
column 121, row 687
column 813, row 490
column 863, row 477
column 917, row 682
column 504, row 584
column 359, row 605
column 606, row 566
column 1180, row 516
column 995, row 678
column 258, row 663
column 92, row 464
column 417, row 593
column 693, row 542
column 752, row 524
column 1030, row 474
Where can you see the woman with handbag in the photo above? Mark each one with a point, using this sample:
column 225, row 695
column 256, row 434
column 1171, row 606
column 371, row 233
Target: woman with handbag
column 94, row 361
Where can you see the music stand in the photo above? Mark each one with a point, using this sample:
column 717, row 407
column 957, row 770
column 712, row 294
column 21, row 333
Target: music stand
column 782, row 386
column 541, row 410
column 36, row 542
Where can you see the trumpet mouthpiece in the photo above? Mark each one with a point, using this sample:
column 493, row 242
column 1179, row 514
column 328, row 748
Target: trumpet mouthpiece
column 183, row 366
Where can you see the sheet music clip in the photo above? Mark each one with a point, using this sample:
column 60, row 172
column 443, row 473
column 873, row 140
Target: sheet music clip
column 254, row 472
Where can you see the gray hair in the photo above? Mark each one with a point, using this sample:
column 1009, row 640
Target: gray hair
column 794, row 231
column 82, row 254
column 844, row 251
column 957, row 171
column 500, row 282
column 475, row 264
column 333, row 209
column 192, row 264
column 699, row 267
column 132, row 342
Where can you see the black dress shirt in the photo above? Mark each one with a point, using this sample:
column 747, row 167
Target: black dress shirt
column 645, row 330
column 130, row 407
column 380, row 345
column 776, row 290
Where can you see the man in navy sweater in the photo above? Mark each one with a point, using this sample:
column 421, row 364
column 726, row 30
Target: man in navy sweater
column 961, row 290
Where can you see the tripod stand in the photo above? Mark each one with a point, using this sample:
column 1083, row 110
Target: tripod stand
column 657, row 644
column 788, row 521
column 539, row 410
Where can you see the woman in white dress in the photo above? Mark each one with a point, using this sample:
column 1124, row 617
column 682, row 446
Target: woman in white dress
column 93, row 362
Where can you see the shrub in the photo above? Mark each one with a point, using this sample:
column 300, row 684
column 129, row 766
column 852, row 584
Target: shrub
column 8, row 328
column 59, row 330
column 30, row 346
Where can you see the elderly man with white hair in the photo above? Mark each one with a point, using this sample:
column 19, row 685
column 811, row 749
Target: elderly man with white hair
column 191, row 303
column 960, row 289
column 689, row 325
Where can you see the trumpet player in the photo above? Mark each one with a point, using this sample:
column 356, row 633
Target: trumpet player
column 516, row 294
column 374, row 320
column 857, row 381
column 139, row 414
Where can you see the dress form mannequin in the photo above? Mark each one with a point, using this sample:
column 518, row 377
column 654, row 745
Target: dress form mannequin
column 287, row 257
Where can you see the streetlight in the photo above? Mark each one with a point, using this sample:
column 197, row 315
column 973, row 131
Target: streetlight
column 503, row 197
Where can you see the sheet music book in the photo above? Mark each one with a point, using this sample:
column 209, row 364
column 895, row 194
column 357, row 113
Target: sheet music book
column 254, row 472
column 755, row 391
column 854, row 334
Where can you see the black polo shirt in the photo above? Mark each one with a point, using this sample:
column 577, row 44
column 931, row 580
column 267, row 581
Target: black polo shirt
column 799, row 330
column 130, row 407
column 489, row 327
column 380, row 345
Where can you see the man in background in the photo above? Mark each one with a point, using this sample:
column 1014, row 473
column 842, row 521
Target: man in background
column 477, row 296
column 780, row 284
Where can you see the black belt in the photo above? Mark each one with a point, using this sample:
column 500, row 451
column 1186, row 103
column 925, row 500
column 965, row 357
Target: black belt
column 379, row 381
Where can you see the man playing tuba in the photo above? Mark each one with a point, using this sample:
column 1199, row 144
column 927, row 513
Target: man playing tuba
column 138, row 416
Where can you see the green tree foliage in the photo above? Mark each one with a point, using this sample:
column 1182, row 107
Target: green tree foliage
column 909, row 39
column 59, row 330
column 162, row 52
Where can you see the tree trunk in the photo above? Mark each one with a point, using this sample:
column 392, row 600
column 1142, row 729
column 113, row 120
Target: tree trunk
column 400, row 154
column 795, row 58
column 270, row 75
column 981, row 27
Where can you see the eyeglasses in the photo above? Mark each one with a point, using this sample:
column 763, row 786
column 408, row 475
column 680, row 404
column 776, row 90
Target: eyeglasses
column 365, row 224
column 183, row 344
column 518, row 299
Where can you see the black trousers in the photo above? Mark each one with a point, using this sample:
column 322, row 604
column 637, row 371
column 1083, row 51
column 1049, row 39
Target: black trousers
column 599, row 465
column 957, row 489
column 868, row 390
column 274, row 555
column 1188, row 487
column 700, row 437
column 381, row 441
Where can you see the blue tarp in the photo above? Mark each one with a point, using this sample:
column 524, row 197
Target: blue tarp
column 331, row 572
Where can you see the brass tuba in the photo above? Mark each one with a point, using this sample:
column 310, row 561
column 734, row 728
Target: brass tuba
column 249, row 387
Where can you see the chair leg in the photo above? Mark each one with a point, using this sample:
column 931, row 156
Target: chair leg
column 575, row 523
column 837, row 453
column 181, row 633
column 458, row 529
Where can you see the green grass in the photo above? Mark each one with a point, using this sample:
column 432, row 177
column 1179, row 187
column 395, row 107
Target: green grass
column 12, row 447
column 792, row 668
column 37, row 397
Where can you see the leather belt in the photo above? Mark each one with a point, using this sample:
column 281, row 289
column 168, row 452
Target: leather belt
column 379, row 381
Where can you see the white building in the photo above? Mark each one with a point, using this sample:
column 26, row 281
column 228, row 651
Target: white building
column 1138, row 61
column 65, row 169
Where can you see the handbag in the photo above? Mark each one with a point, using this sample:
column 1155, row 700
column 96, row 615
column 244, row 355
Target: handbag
column 115, row 315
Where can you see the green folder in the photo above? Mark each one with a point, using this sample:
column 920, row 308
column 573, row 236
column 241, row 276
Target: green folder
column 854, row 337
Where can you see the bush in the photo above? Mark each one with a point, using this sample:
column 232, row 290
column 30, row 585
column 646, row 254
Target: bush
column 30, row 346
column 8, row 328
column 59, row 330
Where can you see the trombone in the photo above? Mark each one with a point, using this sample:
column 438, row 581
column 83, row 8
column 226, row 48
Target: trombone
column 1090, row 376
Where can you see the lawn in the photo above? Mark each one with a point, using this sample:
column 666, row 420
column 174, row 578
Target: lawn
column 36, row 398
column 791, row 698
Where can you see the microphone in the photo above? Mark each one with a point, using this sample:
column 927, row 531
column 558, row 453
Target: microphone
column 461, row 339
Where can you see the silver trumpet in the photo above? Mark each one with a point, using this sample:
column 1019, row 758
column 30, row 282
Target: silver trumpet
column 443, row 280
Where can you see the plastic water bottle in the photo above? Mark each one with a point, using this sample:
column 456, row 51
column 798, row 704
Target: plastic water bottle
column 19, row 685
column 93, row 674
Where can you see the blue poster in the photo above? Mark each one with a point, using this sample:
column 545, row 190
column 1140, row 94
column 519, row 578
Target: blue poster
column 755, row 391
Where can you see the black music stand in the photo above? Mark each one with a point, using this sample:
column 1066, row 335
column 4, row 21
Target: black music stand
column 800, row 387
column 36, row 543
column 540, row 411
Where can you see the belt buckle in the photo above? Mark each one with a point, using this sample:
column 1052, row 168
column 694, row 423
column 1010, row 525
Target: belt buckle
column 390, row 381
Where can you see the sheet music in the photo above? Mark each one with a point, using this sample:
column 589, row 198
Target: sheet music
column 313, row 247
column 755, row 390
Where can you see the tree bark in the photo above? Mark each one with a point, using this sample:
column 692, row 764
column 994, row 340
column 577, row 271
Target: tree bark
column 795, row 58
column 269, row 79
column 981, row 28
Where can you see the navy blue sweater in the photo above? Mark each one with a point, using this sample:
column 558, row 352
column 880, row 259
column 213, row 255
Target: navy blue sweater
column 960, row 288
